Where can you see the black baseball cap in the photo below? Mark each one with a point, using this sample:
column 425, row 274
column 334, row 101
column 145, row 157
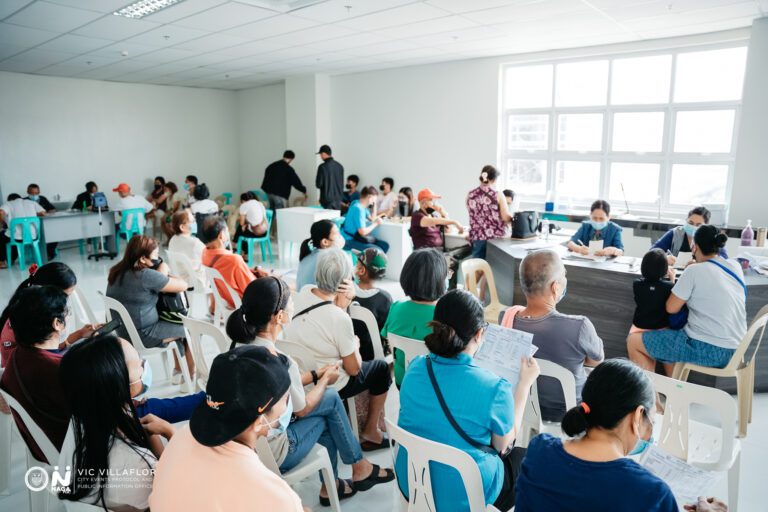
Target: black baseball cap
column 325, row 148
column 243, row 384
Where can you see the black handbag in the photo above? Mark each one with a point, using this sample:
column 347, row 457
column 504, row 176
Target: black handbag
column 171, row 307
column 525, row 224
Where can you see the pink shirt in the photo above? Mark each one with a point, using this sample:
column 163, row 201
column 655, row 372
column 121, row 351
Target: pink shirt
column 195, row 478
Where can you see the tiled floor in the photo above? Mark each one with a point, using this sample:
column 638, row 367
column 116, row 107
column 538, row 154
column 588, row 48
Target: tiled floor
column 92, row 278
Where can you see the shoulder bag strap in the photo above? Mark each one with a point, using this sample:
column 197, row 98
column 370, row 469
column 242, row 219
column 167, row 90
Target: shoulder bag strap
column 310, row 308
column 449, row 416
column 732, row 274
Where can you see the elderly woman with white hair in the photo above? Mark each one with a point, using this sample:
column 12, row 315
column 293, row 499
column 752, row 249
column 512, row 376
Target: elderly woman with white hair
column 567, row 340
column 322, row 325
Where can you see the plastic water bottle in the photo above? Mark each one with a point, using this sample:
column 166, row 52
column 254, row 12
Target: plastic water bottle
column 747, row 234
column 545, row 229
column 549, row 203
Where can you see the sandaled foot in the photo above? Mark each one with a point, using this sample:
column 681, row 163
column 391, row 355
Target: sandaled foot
column 377, row 476
column 344, row 489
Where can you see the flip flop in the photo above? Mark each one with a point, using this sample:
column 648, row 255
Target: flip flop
column 340, row 488
column 374, row 479
column 370, row 446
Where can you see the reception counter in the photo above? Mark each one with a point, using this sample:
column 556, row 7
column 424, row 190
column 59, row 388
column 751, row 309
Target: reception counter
column 603, row 292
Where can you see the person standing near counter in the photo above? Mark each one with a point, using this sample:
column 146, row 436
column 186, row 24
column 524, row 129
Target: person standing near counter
column 599, row 227
column 279, row 178
column 680, row 239
column 329, row 179
column 488, row 212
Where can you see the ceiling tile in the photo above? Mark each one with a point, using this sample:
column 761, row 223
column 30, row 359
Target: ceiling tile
column 469, row 34
column 241, row 63
column 115, row 28
column 8, row 7
column 182, row 10
column 711, row 15
column 63, row 69
column 433, row 26
column 527, row 11
column 391, row 17
column 105, row 6
column 33, row 60
column 379, row 48
column 460, row 6
column 225, row 16
column 23, row 36
column 167, row 55
column 53, row 17
column 89, row 62
column 252, row 48
column 205, row 59
column 336, row 10
column 311, row 35
column 698, row 28
column 117, row 69
column 353, row 41
column 211, row 43
column 661, row 8
column 133, row 49
column 278, row 25
column 74, row 44
column 167, row 35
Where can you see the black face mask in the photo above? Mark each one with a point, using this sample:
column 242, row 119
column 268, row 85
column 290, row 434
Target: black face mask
column 157, row 186
column 403, row 205
column 430, row 211
column 156, row 263
column 348, row 186
column 381, row 187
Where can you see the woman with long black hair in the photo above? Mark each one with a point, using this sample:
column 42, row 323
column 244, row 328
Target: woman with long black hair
column 111, row 451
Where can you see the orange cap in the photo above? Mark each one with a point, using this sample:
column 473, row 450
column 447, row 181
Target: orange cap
column 426, row 193
column 123, row 187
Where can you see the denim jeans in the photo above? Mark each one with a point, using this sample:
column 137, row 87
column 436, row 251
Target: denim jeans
column 172, row 410
column 327, row 424
column 361, row 246
column 478, row 248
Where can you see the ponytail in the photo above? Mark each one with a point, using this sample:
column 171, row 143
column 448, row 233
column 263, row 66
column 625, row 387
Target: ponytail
column 709, row 239
column 305, row 249
column 457, row 318
column 238, row 329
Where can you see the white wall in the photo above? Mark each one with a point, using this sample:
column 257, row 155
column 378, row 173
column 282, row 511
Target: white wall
column 62, row 132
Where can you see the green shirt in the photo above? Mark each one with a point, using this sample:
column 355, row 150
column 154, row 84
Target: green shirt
column 410, row 320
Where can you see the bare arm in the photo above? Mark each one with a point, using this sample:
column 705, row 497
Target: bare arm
column 503, row 210
column 365, row 231
column 674, row 304
column 316, row 394
column 352, row 363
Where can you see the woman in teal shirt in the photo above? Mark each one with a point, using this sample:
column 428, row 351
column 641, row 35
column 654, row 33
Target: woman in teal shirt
column 481, row 403
column 598, row 227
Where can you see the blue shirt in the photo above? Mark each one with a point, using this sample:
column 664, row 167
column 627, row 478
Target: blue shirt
column 357, row 217
column 346, row 197
column 610, row 235
column 665, row 244
column 552, row 479
column 307, row 269
column 480, row 402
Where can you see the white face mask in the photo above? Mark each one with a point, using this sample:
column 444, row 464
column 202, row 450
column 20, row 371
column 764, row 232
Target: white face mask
column 339, row 242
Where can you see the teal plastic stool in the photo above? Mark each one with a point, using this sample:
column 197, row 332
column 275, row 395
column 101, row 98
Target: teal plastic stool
column 228, row 197
column 264, row 242
column 261, row 195
column 132, row 213
column 27, row 240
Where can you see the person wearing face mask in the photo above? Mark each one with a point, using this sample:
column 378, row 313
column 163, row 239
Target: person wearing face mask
column 680, row 239
column 128, row 201
column 387, row 200
column 406, row 203
column 135, row 282
column 107, row 434
column 183, row 242
column 16, row 207
column 211, row 464
column 486, row 411
column 357, row 229
column 599, row 227
column 350, row 192
column 190, row 182
column 218, row 254
column 324, row 234
column 33, row 194
column 314, row 416
column 567, row 340
column 85, row 199
column 591, row 471
column 158, row 195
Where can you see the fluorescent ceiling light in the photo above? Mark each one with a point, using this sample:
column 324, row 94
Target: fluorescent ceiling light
column 144, row 8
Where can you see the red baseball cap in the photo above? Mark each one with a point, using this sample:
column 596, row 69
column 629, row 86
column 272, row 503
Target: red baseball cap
column 426, row 193
column 123, row 187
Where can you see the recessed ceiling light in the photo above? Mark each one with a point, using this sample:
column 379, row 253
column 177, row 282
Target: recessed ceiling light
column 143, row 8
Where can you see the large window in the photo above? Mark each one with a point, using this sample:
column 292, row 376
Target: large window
column 656, row 129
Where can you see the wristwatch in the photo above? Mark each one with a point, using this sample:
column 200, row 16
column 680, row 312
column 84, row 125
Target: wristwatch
column 314, row 376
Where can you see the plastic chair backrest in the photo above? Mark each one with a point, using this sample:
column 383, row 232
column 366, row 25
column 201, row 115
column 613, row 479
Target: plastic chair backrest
column 196, row 330
column 214, row 275
column 83, row 311
column 674, row 433
column 270, row 216
column 25, row 223
column 131, row 213
column 227, row 197
column 423, row 451
column 111, row 305
column 469, row 269
column 303, row 358
column 410, row 347
column 532, row 418
column 182, row 266
column 358, row 312
column 260, row 194
column 42, row 441
column 747, row 346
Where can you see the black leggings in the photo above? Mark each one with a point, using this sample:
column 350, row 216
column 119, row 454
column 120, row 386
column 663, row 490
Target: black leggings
column 373, row 376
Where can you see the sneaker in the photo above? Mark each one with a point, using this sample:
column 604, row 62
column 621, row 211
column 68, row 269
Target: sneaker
column 177, row 377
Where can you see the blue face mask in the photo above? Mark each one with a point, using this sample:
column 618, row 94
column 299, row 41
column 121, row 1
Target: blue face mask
column 599, row 226
column 193, row 228
column 34, row 197
column 146, row 377
column 690, row 229
column 186, row 186
column 562, row 295
column 641, row 445
column 283, row 420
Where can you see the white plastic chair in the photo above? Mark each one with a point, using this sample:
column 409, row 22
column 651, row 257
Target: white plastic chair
column 533, row 423
column 196, row 330
column 358, row 312
column 182, row 266
column 164, row 351
column 470, row 268
column 741, row 366
column 39, row 501
column 410, row 347
column 83, row 311
column 423, row 451
column 306, row 362
column 704, row 446
column 316, row 460
column 222, row 306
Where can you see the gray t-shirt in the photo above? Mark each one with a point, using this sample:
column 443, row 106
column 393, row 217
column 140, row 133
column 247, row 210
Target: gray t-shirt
column 137, row 291
column 565, row 340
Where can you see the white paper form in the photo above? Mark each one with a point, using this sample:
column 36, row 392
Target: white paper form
column 502, row 350
column 682, row 259
column 687, row 482
column 594, row 246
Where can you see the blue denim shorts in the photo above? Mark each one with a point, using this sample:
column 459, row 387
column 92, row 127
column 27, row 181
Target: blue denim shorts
column 670, row 346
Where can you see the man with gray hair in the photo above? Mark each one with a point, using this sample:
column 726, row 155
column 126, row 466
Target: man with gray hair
column 567, row 340
column 321, row 324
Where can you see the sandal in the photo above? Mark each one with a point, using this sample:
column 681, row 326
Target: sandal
column 374, row 479
column 370, row 446
column 341, row 487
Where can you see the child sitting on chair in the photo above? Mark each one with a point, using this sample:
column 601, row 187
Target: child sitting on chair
column 651, row 293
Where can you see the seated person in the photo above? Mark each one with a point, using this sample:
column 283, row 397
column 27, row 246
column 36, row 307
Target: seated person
column 567, row 340
column 174, row 200
column 84, row 200
column 715, row 293
column 509, row 197
column 406, row 203
column 158, row 197
column 135, row 282
column 387, row 201
column 371, row 267
column 33, row 194
column 493, row 413
column 322, row 325
column 680, row 238
column 218, row 255
column 252, row 221
column 423, row 282
column 324, row 234
column 592, row 471
column 247, row 393
column 203, row 207
column 183, row 242
column 357, row 229
column 107, row 435
column 652, row 292
column 16, row 207
column 427, row 226
column 599, row 227
column 350, row 192
column 128, row 201
column 318, row 414
column 190, row 183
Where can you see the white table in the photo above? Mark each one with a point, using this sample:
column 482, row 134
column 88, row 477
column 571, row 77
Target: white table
column 400, row 245
column 293, row 225
column 61, row 226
